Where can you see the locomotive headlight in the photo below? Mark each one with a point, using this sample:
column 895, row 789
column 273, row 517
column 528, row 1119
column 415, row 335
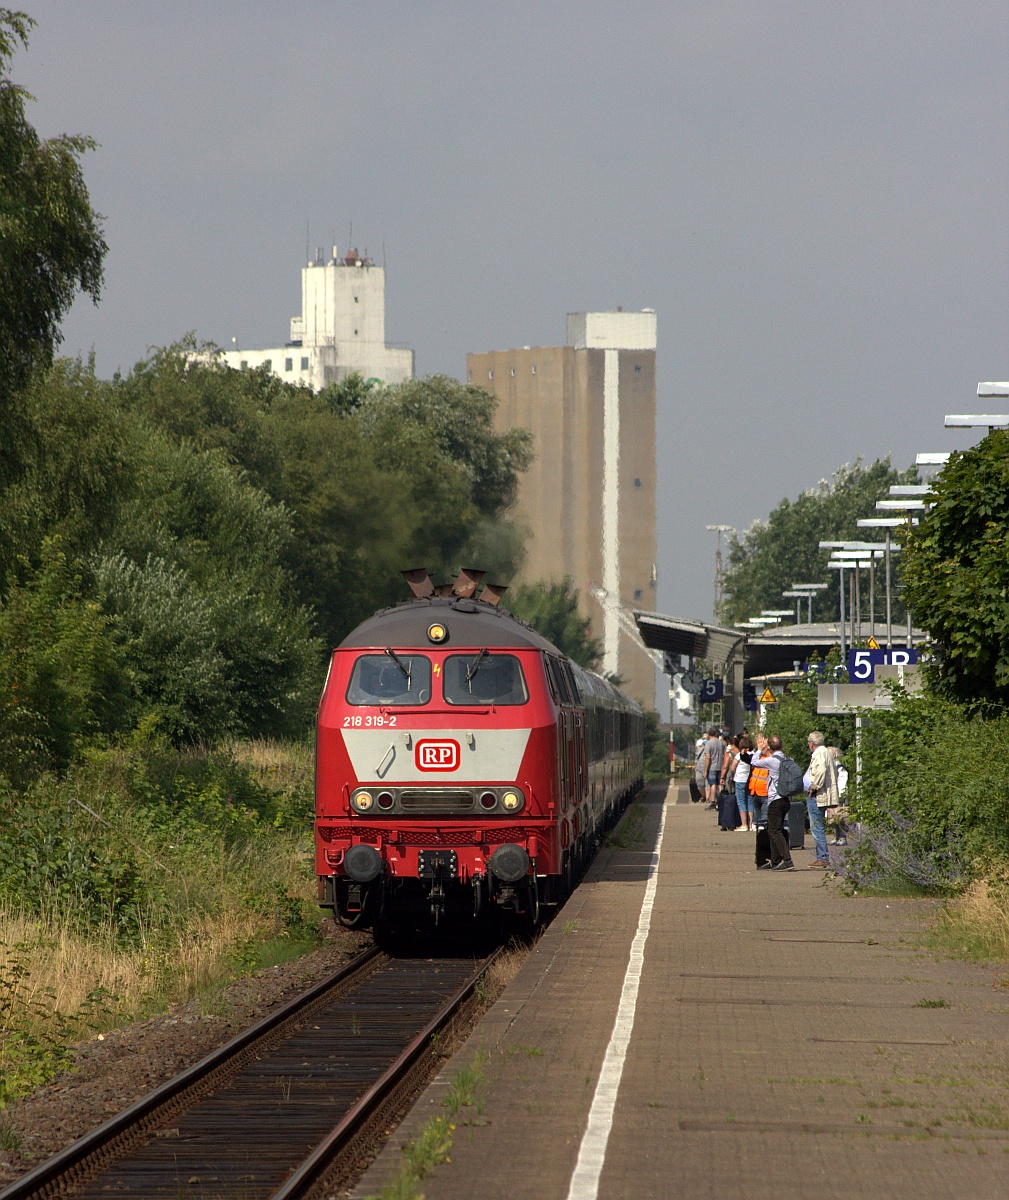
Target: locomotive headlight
column 437, row 633
column 511, row 801
column 362, row 801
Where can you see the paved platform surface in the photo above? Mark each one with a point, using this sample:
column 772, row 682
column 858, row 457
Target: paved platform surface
column 788, row 1040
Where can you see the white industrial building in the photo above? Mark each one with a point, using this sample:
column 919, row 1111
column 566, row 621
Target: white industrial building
column 341, row 328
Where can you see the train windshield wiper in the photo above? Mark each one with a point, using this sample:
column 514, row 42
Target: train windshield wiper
column 472, row 669
column 402, row 665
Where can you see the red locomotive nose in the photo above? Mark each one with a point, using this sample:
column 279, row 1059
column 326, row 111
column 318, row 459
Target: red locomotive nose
column 463, row 764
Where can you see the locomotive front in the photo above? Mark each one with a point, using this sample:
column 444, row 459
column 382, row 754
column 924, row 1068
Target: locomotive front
column 436, row 765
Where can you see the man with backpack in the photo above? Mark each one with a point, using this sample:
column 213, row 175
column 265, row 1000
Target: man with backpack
column 769, row 755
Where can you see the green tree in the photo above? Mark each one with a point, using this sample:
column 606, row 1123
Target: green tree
column 372, row 479
column 793, row 717
column 955, row 567
column 51, row 243
column 349, row 394
column 61, row 681
column 460, row 417
column 552, row 610
column 774, row 554
column 66, row 475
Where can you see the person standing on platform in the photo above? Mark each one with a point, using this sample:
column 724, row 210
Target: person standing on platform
column 822, row 794
column 699, row 783
column 714, row 756
column 728, row 811
column 741, row 783
column 838, row 816
column 769, row 755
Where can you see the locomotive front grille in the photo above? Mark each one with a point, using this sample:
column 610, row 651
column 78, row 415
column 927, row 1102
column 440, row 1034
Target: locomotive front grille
column 437, row 800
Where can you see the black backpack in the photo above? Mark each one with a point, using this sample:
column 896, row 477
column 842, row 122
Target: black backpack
column 789, row 777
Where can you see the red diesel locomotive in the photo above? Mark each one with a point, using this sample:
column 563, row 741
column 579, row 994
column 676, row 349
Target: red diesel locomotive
column 464, row 765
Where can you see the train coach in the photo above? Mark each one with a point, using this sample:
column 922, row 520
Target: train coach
column 465, row 767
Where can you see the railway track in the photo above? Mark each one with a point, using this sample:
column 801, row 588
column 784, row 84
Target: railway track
column 296, row 1102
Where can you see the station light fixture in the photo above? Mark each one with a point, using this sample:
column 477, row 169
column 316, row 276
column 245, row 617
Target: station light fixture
column 807, row 591
column 930, row 458
column 900, row 505
column 977, row 421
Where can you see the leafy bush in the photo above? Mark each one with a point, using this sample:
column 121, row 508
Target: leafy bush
column 934, row 796
column 46, row 865
column 955, row 567
column 785, row 548
column 793, row 717
column 61, row 680
column 552, row 610
column 656, row 756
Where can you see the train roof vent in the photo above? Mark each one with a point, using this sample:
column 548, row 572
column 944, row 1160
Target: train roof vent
column 492, row 593
column 420, row 582
column 466, row 582
column 464, row 588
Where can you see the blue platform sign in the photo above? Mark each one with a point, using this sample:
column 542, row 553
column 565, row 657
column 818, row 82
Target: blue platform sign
column 749, row 697
column 862, row 664
column 712, row 690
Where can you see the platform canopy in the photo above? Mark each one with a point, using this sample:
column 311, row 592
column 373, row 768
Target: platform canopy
column 680, row 635
column 772, row 651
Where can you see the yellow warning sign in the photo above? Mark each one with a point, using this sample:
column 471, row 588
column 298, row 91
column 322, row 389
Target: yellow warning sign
column 768, row 697
column 873, row 644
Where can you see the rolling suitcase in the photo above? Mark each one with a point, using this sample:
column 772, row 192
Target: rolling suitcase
column 762, row 853
column 728, row 811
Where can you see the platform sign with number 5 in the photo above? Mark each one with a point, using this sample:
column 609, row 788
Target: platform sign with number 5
column 862, row 664
column 712, row 690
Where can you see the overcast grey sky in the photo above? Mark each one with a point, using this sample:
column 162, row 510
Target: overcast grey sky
column 814, row 198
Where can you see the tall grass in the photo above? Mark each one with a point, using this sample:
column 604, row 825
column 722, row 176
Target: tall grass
column 182, row 872
column 975, row 925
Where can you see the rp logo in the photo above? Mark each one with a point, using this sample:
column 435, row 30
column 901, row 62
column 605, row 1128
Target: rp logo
column 436, row 755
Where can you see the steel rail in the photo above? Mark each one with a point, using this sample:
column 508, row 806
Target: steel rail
column 41, row 1179
column 323, row 1156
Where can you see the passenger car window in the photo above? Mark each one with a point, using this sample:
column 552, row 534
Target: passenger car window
column 484, row 678
column 382, row 679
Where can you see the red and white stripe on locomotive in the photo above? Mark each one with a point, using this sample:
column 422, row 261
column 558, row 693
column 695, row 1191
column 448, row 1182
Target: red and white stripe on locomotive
column 462, row 762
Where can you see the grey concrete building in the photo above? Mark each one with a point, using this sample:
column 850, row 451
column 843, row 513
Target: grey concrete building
column 589, row 496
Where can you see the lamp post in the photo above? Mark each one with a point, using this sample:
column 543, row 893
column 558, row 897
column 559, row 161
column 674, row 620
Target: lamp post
column 840, row 566
column 885, row 523
column 719, row 529
column 798, row 597
column 908, row 506
column 987, row 421
column 860, row 554
column 776, row 612
column 809, row 589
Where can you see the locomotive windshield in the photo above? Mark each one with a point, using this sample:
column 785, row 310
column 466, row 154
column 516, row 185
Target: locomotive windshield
column 484, row 678
column 390, row 678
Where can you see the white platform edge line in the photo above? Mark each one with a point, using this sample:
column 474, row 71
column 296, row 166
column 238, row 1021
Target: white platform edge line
column 592, row 1152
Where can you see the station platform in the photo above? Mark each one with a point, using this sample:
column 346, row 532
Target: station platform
column 778, row 1038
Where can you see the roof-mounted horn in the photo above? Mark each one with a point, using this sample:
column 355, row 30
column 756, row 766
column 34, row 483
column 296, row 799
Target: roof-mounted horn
column 492, row 593
column 466, row 582
column 420, row 582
